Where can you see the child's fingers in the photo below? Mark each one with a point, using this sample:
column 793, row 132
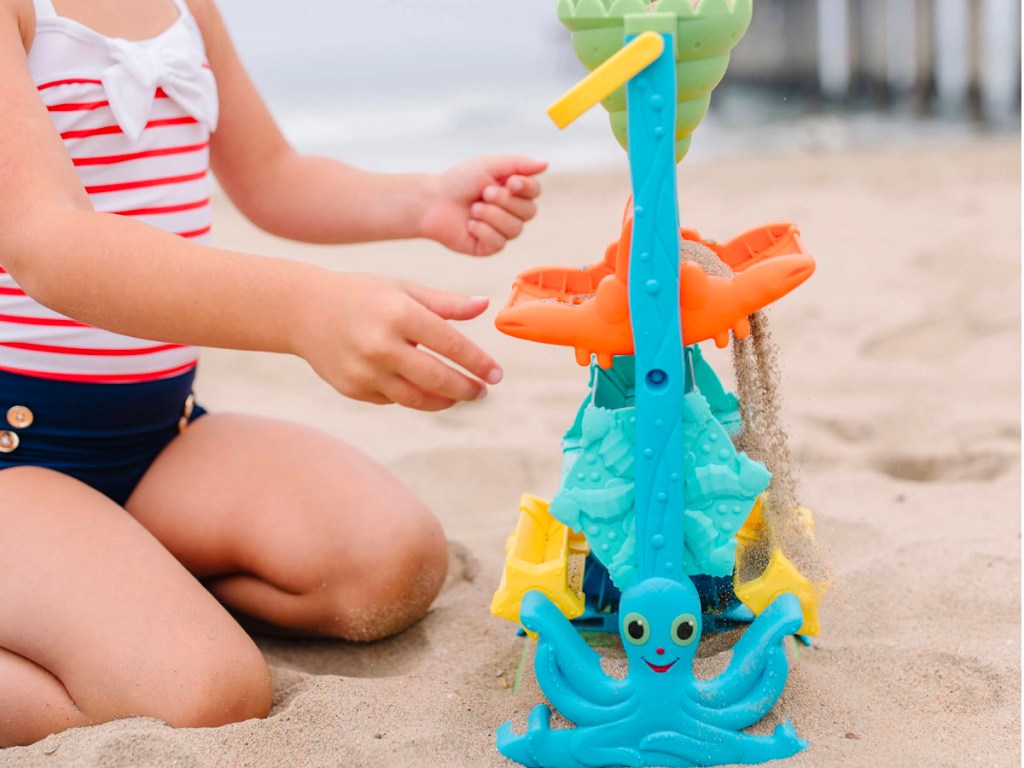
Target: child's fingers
column 450, row 306
column 425, row 371
column 523, row 186
column 399, row 390
column 488, row 240
column 435, row 334
column 507, row 224
column 521, row 207
column 376, row 399
column 506, row 166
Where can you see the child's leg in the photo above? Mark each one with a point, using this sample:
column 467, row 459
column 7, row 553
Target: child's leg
column 294, row 528
column 98, row 621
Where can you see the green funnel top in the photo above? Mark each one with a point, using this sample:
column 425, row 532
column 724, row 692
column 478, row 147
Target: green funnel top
column 705, row 33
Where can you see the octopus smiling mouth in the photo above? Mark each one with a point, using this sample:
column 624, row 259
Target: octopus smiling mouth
column 660, row 670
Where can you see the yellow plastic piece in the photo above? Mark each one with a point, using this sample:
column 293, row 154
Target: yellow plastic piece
column 607, row 78
column 542, row 554
column 782, row 576
column 750, row 532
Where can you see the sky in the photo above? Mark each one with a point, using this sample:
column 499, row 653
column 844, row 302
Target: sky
column 391, row 49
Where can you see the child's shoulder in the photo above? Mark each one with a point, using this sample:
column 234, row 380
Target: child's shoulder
column 201, row 9
column 21, row 13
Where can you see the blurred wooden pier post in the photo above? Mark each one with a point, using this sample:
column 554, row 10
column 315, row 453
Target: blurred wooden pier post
column 901, row 46
column 1000, row 59
column 834, row 61
column 952, row 58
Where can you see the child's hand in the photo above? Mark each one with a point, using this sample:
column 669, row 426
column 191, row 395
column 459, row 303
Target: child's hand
column 478, row 206
column 363, row 333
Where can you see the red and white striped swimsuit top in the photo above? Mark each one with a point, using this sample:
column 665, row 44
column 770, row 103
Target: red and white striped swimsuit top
column 136, row 118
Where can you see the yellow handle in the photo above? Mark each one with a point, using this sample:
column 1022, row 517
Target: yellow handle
column 615, row 72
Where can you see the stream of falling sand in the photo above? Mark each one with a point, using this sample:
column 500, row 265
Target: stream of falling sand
column 765, row 439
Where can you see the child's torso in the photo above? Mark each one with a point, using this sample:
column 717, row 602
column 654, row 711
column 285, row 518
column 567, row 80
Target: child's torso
column 135, row 117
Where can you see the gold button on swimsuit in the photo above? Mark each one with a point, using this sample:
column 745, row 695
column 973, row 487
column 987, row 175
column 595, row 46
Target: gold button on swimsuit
column 9, row 441
column 19, row 417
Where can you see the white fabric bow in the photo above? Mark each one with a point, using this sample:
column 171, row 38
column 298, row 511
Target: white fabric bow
column 131, row 84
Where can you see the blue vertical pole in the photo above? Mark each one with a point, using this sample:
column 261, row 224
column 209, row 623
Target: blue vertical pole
column 654, row 308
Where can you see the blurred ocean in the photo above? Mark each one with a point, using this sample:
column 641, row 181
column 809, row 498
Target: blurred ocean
column 413, row 85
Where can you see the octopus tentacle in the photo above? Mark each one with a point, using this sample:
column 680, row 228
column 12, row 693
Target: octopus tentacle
column 673, row 750
column 575, row 667
column 569, row 699
column 516, row 747
column 728, row 747
column 540, row 746
column 781, row 618
column 755, row 705
column 621, row 757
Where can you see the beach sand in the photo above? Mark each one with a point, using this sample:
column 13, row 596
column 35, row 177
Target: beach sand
column 901, row 363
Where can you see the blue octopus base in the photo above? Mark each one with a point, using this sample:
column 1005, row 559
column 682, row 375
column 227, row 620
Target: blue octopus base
column 659, row 714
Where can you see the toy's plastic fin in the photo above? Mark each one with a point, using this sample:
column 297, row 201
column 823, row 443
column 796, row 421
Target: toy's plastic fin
column 779, row 577
column 545, row 555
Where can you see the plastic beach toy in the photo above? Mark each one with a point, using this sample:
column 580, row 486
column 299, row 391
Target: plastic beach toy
column 660, row 521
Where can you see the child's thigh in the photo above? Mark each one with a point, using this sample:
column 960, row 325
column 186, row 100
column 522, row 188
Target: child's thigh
column 87, row 594
column 289, row 504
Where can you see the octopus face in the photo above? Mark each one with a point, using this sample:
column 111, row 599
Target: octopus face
column 660, row 625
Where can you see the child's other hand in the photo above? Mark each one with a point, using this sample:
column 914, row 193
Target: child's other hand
column 478, row 206
column 369, row 337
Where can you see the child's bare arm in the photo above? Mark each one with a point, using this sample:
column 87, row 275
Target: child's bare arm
column 473, row 208
column 358, row 331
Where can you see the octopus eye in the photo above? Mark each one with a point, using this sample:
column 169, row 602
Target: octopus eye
column 684, row 629
column 636, row 629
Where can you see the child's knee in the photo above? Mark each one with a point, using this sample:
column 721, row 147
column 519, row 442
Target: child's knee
column 398, row 587
column 226, row 687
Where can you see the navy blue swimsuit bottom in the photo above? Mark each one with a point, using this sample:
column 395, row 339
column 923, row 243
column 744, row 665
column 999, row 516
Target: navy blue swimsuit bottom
column 105, row 435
